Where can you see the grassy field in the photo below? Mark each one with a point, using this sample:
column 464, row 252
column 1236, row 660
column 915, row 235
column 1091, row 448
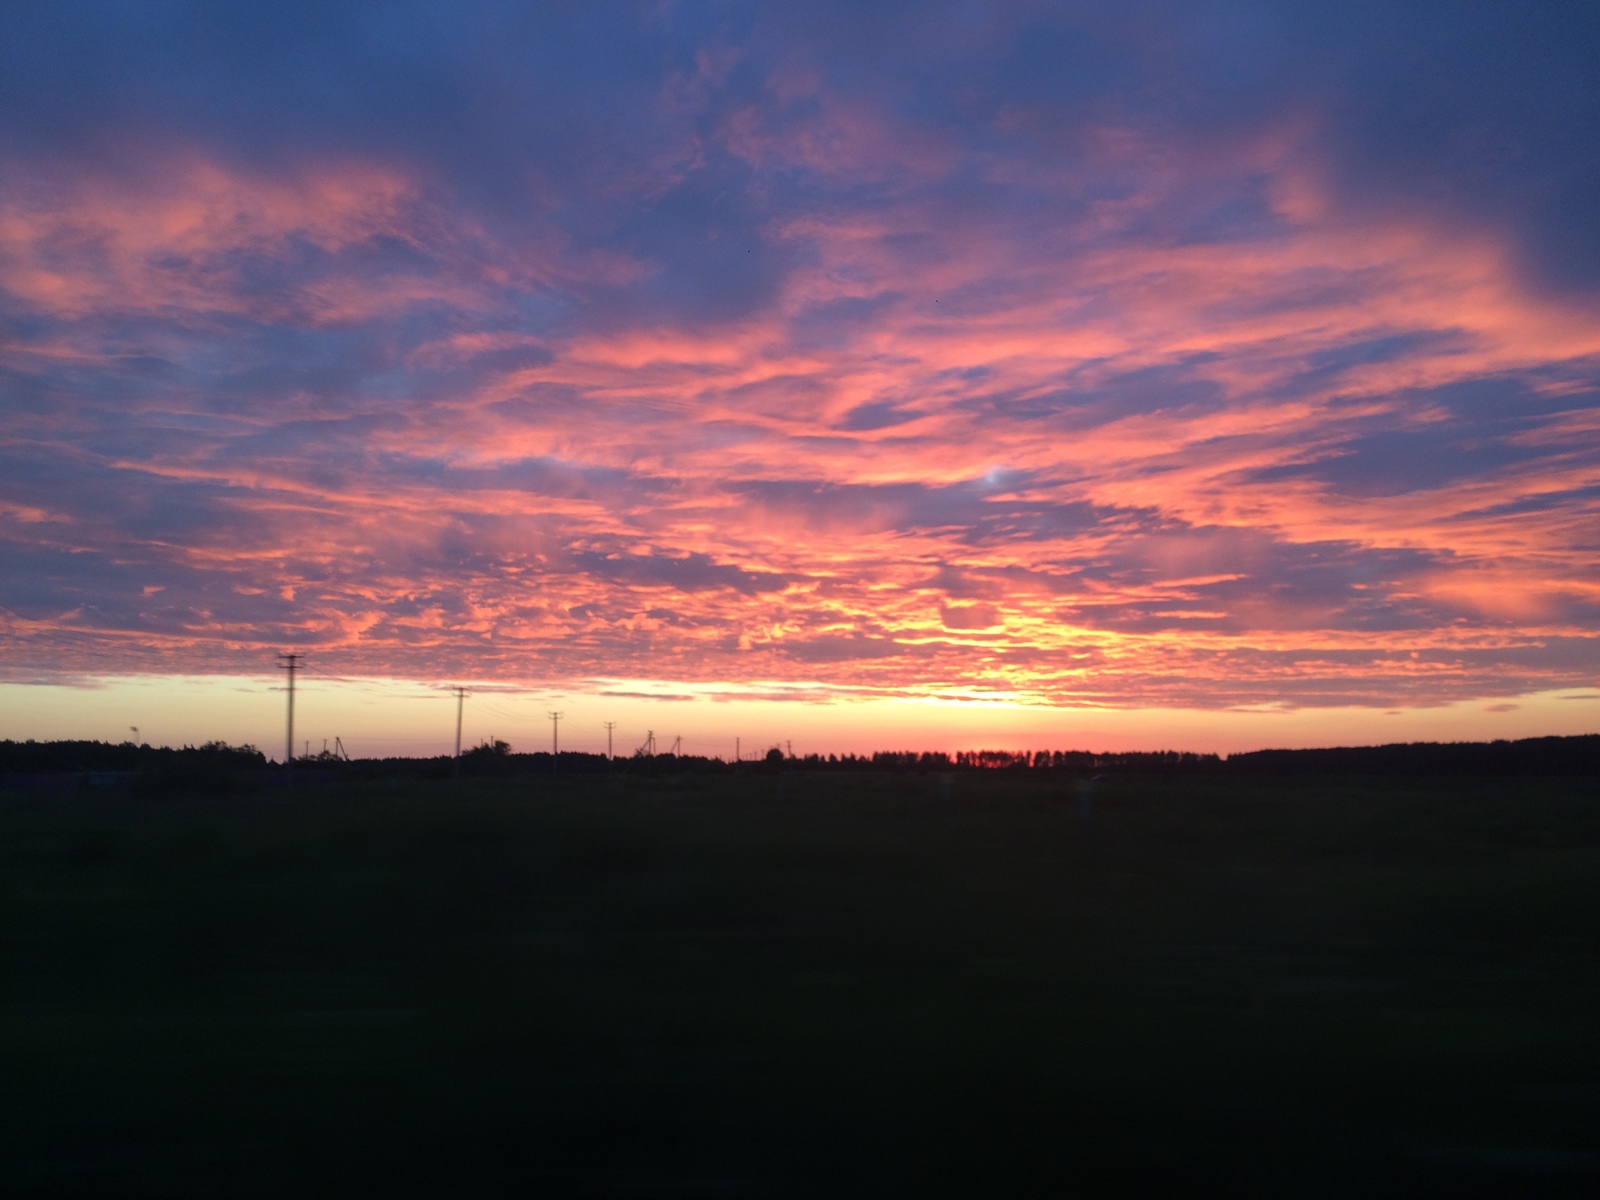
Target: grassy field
column 804, row 985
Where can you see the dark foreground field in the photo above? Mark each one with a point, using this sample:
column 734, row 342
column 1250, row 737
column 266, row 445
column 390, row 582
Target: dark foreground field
column 799, row 985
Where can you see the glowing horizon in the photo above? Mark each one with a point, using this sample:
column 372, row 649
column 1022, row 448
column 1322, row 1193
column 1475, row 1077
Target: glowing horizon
column 1132, row 382
column 375, row 718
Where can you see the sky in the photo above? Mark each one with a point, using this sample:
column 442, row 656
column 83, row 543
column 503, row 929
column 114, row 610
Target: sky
column 1210, row 375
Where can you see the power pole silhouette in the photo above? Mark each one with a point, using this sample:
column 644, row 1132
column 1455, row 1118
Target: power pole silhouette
column 677, row 745
column 461, row 701
column 649, row 746
column 555, row 728
column 291, row 664
column 610, row 725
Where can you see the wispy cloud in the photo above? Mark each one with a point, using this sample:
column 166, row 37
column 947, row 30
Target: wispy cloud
column 1057, row 360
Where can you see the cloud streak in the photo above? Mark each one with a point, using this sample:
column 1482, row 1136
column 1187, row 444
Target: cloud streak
column 1066, row 359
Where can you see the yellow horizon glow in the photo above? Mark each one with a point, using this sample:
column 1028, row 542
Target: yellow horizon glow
column 382, row 717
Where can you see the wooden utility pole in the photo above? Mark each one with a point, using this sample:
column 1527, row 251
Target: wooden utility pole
column 291, row 664
column 461, row 701
column 610, row 725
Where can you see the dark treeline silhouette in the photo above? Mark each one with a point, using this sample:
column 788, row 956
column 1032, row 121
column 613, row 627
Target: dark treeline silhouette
column 124, row 756
column 1529, row 756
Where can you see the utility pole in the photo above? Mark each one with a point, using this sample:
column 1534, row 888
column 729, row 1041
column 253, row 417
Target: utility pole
column 461, row 701
column 677, row 746
column 555, row 733
column 291, row 664
column 738, row 755
column 610, row 725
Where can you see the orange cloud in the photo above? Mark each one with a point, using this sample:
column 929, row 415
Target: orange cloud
column 956, row 454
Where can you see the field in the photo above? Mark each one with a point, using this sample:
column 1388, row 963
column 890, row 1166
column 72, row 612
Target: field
column 803, row 985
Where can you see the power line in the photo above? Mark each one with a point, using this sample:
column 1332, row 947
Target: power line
column 498, row 711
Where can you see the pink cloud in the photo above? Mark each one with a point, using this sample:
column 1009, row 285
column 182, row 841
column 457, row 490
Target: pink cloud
column 1058, row 460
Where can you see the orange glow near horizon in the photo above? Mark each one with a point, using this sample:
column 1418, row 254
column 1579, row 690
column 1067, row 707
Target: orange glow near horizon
column 375, row 718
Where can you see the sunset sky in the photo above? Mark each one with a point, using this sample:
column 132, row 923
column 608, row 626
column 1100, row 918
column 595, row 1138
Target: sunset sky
column 1207, row 375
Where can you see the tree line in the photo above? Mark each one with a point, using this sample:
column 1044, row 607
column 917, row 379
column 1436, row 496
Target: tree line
column 1579, row 755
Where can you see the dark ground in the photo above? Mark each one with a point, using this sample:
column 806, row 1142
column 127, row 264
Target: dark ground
column 803, row 985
